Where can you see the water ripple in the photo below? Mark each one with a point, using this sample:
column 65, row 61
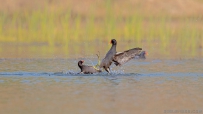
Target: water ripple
column 113, row 73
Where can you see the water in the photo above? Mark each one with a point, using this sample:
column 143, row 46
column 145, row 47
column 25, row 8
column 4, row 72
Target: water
column 152, row 86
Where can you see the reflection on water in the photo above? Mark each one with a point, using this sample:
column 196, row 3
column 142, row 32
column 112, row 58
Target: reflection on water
column 140, row 86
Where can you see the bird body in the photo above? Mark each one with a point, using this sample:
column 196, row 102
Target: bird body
column 118, row 58
column 108, row 59
column 87, row 69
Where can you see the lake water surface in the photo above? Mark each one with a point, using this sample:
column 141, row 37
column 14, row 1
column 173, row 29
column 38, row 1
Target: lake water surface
column 151, row 86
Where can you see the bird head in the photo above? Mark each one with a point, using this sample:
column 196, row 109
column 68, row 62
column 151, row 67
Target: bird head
column 113, row 42
column 145, row 53
column 80, row 63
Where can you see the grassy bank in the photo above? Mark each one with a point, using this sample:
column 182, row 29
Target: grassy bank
column 63, row 26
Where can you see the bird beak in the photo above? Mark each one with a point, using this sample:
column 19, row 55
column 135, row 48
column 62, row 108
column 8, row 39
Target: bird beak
column 82, row 61
column 110, row 42
column 146, row 53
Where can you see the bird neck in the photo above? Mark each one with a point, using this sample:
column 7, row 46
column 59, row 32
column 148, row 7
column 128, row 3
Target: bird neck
column 113, row 48
column 80, row 65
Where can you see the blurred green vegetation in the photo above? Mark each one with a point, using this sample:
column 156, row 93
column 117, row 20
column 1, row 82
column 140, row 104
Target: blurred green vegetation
column 65, row 28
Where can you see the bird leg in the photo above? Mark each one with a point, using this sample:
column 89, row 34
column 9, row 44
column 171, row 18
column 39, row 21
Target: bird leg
column 98, row 56
column 98, row 64
column 107, row 69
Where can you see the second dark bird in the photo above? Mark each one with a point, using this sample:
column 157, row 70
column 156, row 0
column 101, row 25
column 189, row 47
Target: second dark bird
column 118, row 58
column 85, row 69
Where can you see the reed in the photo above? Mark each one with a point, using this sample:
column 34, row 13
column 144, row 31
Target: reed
column 62, row 27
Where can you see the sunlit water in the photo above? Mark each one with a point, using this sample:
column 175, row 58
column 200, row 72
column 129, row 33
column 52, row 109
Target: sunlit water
column 151, row 86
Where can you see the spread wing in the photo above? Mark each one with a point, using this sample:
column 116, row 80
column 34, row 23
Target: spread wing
column 123, row 57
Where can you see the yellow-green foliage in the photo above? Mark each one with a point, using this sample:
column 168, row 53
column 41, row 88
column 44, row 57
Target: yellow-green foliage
column 62, row 27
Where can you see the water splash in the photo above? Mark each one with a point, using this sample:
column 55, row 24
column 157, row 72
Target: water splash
column 71, row 72
column 117, row 72
column 64, row 73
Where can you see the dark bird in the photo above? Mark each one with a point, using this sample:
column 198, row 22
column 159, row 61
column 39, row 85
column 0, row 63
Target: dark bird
column 118, row 58
column 108, row 59
column 142, row 55
column 87, row 69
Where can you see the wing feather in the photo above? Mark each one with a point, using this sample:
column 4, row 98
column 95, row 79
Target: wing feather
column 123, row 57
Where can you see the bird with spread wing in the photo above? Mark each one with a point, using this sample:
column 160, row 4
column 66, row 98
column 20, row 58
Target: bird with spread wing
column 118, row 58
